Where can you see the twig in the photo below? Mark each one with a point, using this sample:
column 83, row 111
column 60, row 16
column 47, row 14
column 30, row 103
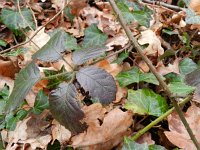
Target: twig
column 153, row 70
column 20, row 12
column 163, row 4
column 156, row 121
column 34, row 18
column 36, row 32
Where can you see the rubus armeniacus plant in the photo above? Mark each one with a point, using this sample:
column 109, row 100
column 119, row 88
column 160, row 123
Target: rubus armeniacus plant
column 63, row 100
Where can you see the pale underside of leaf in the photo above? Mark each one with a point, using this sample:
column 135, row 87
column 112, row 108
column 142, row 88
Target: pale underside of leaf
column 100, row 84
column 65, row 107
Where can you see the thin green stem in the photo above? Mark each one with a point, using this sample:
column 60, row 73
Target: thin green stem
column 156, row 121
column 153, row 70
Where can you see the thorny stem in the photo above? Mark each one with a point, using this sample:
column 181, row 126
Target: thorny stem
column 156, row 121
column 154, row 71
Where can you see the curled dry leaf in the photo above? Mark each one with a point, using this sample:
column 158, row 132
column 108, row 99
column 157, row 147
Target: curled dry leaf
column 106, row 135
column 178, row 134
column 163, row 70
column 154, row 48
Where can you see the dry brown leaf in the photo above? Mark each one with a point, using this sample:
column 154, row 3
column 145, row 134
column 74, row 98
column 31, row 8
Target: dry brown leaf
column 143, row 66
column 58, row 4
column 9, row 68
column 121, row 93
column 178, row 134
column 113, row 68
column 118, row 40
column 32, row 130
column 60, row 133
column 170, row 68
column 195, row 5
column 146, row 138
column 154, row 48
column 196, row 95
column 106, row 135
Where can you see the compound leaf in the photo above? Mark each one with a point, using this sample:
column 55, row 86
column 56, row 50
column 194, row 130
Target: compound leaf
column 26, row 78
column 65, row 107
column 145, row 101
column 13, row 19
column 100, row 84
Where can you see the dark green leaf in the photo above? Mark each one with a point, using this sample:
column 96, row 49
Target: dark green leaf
column 81, row 56
column 21, row 114
column 94, row 37
column 143, row 16
column 145, row 101
column 180, row 89
column 65, row 107
column 167, row 53
column 11, row 121
column 26, row 78
column 58, row 43
column 54, row 82
column 3, row 43
column 121, row 57
column 41, row 103
column 169, row 32
column 14, row 21
column 135, row 76
column 4, row 93
column 186, row 66
column 100, row 84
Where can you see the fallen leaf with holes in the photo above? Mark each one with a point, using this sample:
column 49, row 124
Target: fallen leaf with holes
column 60, row 133
column 154, row 48
column 178, row 134
column 105, row 130
column 163, row 70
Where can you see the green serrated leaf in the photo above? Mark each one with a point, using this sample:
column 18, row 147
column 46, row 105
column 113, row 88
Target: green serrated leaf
column 41, row 103
column 25, row 79
column 21, row 114
column 54, row 82
column 10, row 121
column 145, row 101
column 81, row 56
column 65, row 107
column 93, row 37
column 135, row 76
column 58, row 43
column 186, row 66
column 99, row 83
column 180, row 89
column 14, row 21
